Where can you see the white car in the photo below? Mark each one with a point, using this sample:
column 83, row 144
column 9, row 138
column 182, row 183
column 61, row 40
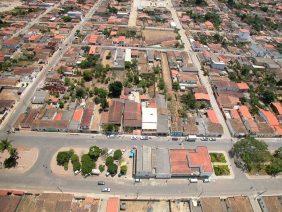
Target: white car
column 207, row 180
column 106, row 190
column 137, row 180
column 144, row 137
column 133, row 137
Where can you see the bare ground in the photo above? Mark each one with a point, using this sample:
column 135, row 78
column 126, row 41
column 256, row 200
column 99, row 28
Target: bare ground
column 27, row 158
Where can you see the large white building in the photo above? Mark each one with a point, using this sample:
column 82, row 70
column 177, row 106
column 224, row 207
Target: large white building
column 149, row 120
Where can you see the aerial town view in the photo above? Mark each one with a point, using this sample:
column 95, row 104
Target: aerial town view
column 141, row 105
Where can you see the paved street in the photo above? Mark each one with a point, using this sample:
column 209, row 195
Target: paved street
column 40, row 178
column 23, row 103
column 204, row 79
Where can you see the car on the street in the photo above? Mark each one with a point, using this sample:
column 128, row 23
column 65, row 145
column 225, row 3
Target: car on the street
column 133, row 137
column 144, row 137
column 174, row 138
column 107, row 174
column 106, row 189
column 137, row 180
column 193, row 180
column 101, row 183
column 204, row 139
column 212, row 139
column 206, row 180
column 111, row 136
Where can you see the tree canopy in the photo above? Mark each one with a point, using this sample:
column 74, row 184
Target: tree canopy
column 115, row 89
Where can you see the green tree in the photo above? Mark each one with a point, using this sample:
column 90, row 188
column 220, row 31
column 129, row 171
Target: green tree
column 109, row 160
column 76, row 165
column 112, row 168
column 251, row 154
column 275, row 167
column 188, row 100
column 63, row 157
column 115, row 89
column 268, row 96
column 117, row 154
column 66, row 18
column 87, row 75
column 61, row 104
column 5, row 144
column 80, row 92
column 87, row 164
column 94, row 152
column 175, row 86
column 161, row 84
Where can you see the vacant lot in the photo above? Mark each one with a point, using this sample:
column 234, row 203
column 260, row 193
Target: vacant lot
column 144, row 206
column 151, row 36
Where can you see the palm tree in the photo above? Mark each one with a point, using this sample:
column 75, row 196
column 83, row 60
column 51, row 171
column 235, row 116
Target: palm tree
column 5, row 144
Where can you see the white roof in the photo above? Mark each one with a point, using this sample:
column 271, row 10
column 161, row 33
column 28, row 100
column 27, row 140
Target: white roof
column 127, row 55
column 149, row 118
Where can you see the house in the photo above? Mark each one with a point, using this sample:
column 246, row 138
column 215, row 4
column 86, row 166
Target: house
column 202, row 97
column 114, row 115
column 149, row 119
column 188, row 80
column 277, row 107
column 258, row 50
column 243, row 87
column 244, row 35
column 163, row 118
column 132, row 115
column 40, row 97
column 248, row 120
column 216, row 63
column 75, row 14
column 87, row 117
column 190, row 162
column 150, row 56
column 119, row 59
column 127, row 57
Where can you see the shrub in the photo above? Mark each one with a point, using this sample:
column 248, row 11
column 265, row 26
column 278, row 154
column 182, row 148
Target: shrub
column 220, row 170
column 217, row 157
column 117, row 154
column 123, row 169
column 101, row 168
column 94, row 152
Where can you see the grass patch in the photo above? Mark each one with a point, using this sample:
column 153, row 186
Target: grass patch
column 217, row 157
column 221, row 170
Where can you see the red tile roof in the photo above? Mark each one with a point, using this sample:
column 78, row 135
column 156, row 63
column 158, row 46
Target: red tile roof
column 278, row 107
column 244, row 111
column 132, row 114
column 87, row 116
column 243, row 86
column 113, row 204
column 77, row 115
column 202, row 96
column 184, row 161
column 212, row 116
column 270, row 117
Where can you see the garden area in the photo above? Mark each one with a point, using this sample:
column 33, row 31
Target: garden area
column 220, row 165
column 93, row 161
column 253, row 157
column 221, row 170
column 217, row 157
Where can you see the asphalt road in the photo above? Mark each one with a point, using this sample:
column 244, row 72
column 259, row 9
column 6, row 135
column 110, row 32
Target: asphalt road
column 41, row 179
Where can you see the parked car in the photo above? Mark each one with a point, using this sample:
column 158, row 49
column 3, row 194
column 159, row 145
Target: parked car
column 206, row 180
column 137, row 180
column 193, row 180
column 106, row 190
column 204, row 139
column 174, row 139
column 101, row 183
column 144, row 137
column 133, row 137
column 212, row 139
column 107, row 174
